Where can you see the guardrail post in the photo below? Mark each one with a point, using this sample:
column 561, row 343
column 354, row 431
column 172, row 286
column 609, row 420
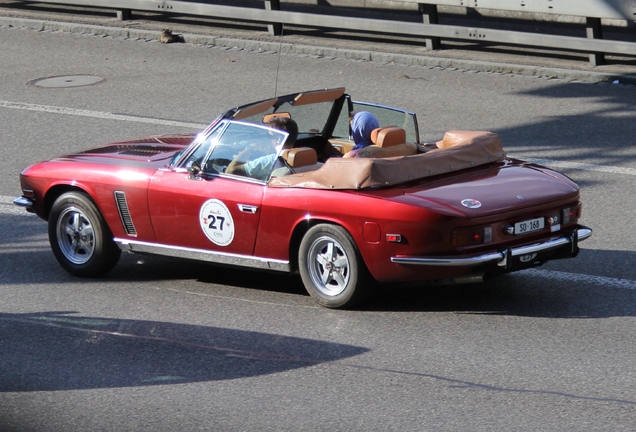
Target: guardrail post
column 124, row 14
column 275, row 29
column 430, row 16
column 595, row 31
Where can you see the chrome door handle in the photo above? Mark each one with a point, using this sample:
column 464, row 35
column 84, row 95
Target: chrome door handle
column 247, row 208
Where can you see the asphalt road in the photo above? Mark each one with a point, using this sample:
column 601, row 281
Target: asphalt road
column 160, row 345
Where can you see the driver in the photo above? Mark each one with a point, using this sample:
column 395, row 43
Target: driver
column 261, row 167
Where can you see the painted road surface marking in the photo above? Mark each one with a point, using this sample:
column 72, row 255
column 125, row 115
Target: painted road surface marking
column 98, row 114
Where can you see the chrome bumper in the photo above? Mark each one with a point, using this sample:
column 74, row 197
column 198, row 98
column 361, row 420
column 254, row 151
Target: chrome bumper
column 23, row 202
column 502, row 258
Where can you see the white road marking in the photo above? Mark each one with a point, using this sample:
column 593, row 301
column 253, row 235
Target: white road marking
column 98, row 114
column 582, row 278
column 580, row 166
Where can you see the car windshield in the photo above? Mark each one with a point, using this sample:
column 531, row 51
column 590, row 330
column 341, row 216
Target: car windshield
column 314, row 118
column 254, row 146
column 322, row 117
column 311, row 118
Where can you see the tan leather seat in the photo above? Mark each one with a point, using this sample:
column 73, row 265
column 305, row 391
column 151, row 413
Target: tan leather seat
column 387, row 142
column 301, row 159
column 388, row 136
column 301, row 156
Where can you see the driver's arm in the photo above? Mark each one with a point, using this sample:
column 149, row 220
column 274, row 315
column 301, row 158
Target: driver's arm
column 237, row 164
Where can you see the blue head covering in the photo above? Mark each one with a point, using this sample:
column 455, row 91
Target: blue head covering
column 362, row 124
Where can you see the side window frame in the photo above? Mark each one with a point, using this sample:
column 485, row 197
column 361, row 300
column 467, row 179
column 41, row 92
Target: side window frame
column 384, row 113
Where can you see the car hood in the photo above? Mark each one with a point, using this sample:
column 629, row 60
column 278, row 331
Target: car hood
column 156, row 150
column 499, row 189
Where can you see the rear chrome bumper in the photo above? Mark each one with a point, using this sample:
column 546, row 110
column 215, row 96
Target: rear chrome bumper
column 502, row 258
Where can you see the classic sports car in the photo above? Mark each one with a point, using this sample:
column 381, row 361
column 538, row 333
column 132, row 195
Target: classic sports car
column 457, row 210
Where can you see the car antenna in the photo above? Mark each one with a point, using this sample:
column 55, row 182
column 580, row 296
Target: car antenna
column 280, row 46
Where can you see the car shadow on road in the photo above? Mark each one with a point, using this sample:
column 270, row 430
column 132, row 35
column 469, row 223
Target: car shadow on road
column 63, row 351
column 584, row 287
column 577, row 288
column 26, row 257
column 580, row 288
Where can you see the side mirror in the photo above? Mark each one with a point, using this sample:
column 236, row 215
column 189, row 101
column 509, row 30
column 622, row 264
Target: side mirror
column 194, row 168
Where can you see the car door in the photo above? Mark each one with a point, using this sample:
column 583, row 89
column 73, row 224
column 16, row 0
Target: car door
column 201, row 207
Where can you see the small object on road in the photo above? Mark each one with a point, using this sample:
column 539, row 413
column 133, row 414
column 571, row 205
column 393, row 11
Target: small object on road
column 168, row 37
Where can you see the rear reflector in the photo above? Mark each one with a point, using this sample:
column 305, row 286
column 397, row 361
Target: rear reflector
column 394, row 238
column 471, row 237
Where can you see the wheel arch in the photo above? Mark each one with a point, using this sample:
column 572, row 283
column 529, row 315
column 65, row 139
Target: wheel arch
column 58, row 190
column 331, row 266
column 299, row 232
column 80, row 238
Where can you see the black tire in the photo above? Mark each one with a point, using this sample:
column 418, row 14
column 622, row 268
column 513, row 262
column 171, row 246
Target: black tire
column 80, row 239
column 331, row 267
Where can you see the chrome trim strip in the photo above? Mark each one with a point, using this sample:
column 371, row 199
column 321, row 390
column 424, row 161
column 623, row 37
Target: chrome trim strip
column 23, row 202
column 499, row 257
column 384, row 107
column 203, row 255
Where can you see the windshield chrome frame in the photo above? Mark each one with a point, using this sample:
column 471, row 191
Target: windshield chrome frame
column 219, row 126
column 177, row 164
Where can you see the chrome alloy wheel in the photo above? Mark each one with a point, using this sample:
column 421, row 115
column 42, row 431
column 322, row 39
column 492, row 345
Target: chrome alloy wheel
column 328, row 266
column 75, row 235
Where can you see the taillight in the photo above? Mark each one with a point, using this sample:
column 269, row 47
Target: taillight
column 571, row 214
column 471, row 237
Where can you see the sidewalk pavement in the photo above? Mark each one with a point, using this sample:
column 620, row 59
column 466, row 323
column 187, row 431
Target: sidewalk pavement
column 480, row 57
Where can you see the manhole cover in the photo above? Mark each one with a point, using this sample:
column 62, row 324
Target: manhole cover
column 67, row 81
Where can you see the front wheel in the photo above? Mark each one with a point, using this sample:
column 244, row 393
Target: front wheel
column 331, row 267
column 80, row 238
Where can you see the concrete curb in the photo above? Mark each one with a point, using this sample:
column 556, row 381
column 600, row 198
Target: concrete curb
column 330, row 52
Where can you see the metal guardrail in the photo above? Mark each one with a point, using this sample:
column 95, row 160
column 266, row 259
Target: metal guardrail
column 608, row 9
column 429, row 28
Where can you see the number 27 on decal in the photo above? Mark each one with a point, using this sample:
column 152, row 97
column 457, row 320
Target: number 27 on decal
column 214, row 220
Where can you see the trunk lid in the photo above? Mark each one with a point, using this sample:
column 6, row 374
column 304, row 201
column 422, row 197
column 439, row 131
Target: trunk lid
column 498, row 189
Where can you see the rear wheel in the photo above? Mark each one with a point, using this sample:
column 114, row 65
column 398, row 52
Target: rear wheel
column 331, row 267
column 80, row 238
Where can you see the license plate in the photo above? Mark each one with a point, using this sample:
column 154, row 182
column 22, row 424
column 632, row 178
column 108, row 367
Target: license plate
column 529, row 226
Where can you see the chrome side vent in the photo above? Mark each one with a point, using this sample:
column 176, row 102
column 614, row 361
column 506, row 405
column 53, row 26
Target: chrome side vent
column 124, row 213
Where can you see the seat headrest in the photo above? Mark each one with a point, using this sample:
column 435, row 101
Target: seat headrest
column 301, row 156
column 388, row 136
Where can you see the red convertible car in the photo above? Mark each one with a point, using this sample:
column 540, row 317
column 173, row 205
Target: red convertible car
column 457, row 210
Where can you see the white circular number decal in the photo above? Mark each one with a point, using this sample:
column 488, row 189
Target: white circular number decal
column 216, row 222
